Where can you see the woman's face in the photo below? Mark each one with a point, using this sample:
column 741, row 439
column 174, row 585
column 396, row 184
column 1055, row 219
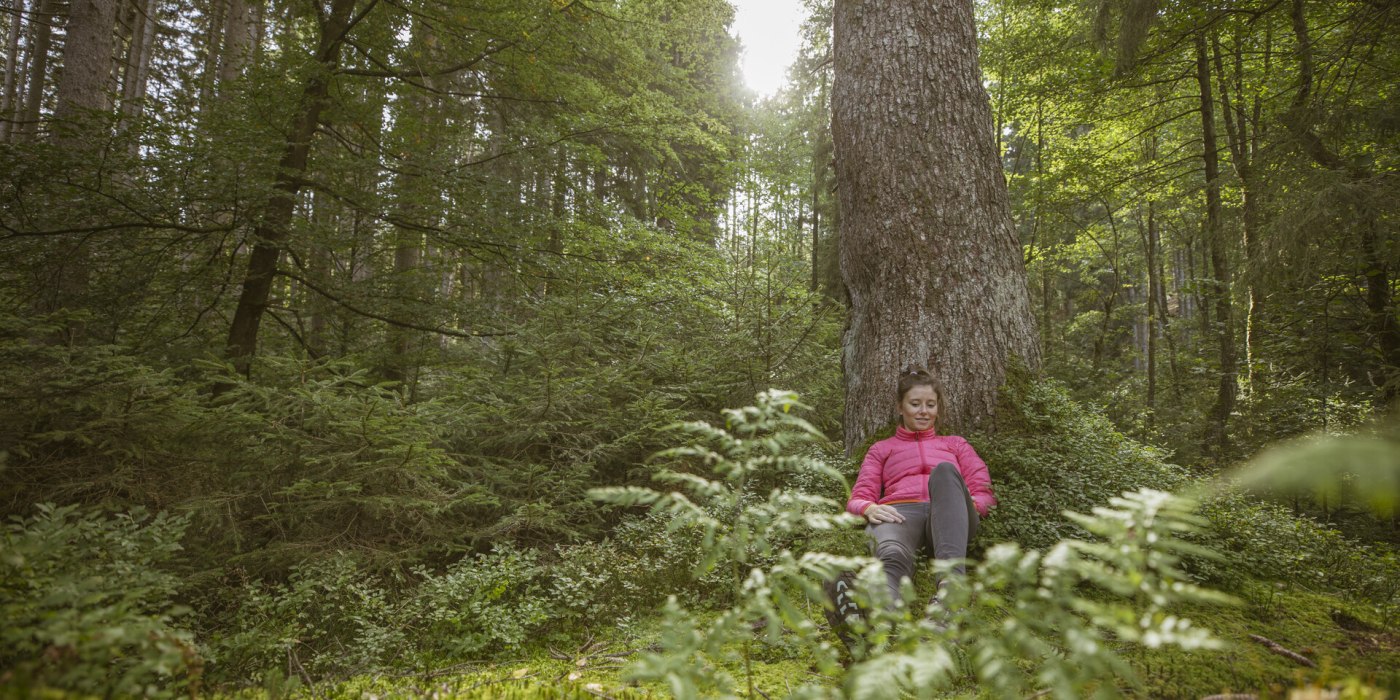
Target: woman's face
column 919, row 408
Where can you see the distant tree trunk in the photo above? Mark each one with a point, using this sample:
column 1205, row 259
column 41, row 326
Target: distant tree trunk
column 42, row 23
column 9, row 94
column 928, row 251
column 138, row 60
column 271, row 232
column 1149, row 243
column 1217, row 443
column 1242, row 134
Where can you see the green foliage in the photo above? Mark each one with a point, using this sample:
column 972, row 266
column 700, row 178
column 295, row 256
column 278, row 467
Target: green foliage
column 1052, row 454
column 333, row 617
column 1362, row 468
column 87, row 604
column 1062, row 614
column 730, row 469
column 1058, row 620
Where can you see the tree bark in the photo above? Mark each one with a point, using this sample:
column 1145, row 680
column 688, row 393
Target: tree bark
column 928, row 251
column 1217, row 443
column 239, row 31
column 270, row 235
column 87, row 61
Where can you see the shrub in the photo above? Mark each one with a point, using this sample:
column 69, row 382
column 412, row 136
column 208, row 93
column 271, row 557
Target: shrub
column 86, row 601
column 1052, row 454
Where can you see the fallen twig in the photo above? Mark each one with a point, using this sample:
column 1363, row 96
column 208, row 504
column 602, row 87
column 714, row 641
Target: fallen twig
column 1231, row 696
column 1281, row 651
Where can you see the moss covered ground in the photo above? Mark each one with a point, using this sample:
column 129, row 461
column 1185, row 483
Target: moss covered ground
column 1347, row 641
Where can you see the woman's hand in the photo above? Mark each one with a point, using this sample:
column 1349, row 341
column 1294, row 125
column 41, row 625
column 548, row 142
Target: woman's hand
column 877, row 514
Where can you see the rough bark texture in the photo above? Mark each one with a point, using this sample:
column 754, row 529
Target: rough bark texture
column 271, row 233
column 928, row 251
column 87, row 59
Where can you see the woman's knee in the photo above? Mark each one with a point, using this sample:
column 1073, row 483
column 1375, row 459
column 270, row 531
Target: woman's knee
column 895, row 555
column 945, row 473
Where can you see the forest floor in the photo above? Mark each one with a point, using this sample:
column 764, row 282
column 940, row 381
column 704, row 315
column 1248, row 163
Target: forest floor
column 1347, row 642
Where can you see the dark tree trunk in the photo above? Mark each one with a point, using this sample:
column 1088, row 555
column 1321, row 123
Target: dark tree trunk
column 928, row 252
column 271, row 232
column 1217, row 443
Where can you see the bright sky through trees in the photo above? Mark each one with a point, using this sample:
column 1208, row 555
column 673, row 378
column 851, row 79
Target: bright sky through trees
column 769, row 30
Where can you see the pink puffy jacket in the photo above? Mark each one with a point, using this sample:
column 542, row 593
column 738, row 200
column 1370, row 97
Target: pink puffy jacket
column 897, row 469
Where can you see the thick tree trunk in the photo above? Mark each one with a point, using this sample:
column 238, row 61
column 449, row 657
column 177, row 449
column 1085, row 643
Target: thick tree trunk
column 87, row 61
column 1217, row 442
column 928, row 252
column 271, row 232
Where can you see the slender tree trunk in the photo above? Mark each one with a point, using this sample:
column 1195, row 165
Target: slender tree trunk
column 1150, row 244
column 1217, row 443
column 1242, row 136
column 138, row 65
column 9, row 94
column 928, row 252
column 42, row 22
column 270, row 235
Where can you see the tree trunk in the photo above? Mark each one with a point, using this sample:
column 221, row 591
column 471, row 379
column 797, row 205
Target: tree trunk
column 9, row 94
column 138, row 63
column 1217, row 443
column 1150, row 244
column 271, row 232
column 928, row 252
column 1242, row 134
column 87, row 61
column 238, row 35
column 42, row 22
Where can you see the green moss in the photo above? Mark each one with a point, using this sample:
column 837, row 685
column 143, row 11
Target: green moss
column 1342, row 637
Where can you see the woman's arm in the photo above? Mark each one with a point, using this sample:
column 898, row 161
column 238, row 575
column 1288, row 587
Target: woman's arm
column 974, row 474
column 869, row 483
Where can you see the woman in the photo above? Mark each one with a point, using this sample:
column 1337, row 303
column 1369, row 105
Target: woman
column 920, row 490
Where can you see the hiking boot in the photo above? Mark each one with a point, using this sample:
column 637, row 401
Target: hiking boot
column 843, row 607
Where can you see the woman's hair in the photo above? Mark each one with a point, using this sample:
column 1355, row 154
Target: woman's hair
column 913, row 377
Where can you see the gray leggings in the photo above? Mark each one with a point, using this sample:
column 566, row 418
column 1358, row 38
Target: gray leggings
column 945, row 525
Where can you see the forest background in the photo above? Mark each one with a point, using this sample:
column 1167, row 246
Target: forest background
column 320, row 320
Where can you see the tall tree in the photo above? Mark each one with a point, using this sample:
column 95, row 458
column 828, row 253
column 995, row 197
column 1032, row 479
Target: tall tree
column 928, row 251
column 271, row 233
column 1218, row 431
